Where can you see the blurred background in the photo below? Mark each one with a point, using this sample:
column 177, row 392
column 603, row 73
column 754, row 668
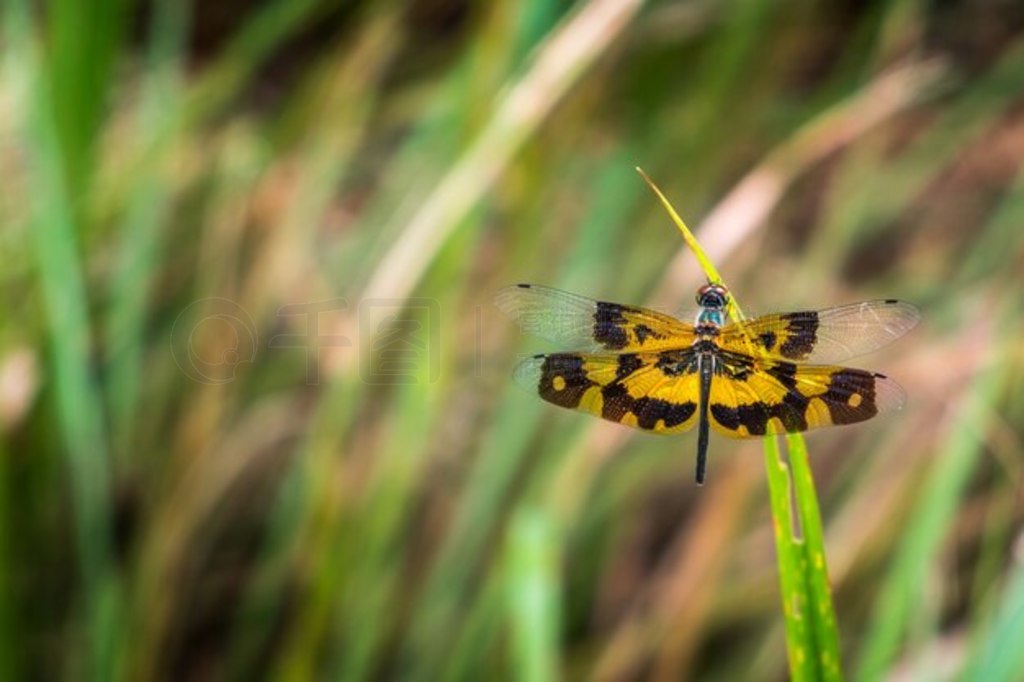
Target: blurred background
column 256, row 411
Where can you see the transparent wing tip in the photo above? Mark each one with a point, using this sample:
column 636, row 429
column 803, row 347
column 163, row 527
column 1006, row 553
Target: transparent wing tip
column 889, row 395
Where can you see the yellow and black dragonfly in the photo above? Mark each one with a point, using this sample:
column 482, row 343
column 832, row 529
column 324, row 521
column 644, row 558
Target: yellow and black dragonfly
column 656, row 373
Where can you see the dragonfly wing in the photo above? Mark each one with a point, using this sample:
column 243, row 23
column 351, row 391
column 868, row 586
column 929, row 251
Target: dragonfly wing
column 753, row 397
column 655, row 392
column 830, row 335
column 580, row 322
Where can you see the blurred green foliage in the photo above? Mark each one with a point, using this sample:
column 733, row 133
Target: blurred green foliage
column 191, row 487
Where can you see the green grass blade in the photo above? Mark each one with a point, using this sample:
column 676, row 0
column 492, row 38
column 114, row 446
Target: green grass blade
column 810, row 625
column 813, row 565
column 10, row 639
column 54, row 230
column 998, row 656
column 80, row 66
column 691, row 241
column 532, row 592
column 802, row 664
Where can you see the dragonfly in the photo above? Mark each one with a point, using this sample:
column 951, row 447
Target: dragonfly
column 769, row 375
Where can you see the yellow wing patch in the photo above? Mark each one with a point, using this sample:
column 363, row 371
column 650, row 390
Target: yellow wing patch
column 655, row 392
column 580, row 322
column 754, row 397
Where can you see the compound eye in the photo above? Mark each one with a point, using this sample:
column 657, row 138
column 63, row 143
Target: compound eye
column 712, row 296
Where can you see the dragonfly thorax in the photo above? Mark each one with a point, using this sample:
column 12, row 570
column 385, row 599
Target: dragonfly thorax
column 707, row 324
column 710, row 319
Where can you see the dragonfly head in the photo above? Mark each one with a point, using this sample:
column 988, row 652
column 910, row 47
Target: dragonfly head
column 714, row 296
